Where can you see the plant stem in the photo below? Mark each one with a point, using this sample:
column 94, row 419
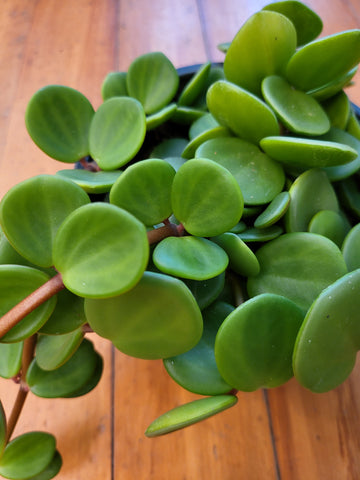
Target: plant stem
column 27, row 356
column 26, row 306
column 168, row 230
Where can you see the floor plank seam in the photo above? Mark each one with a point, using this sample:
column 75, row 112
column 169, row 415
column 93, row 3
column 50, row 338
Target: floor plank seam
column 112, row 426
column 204, row 33
column 272, row 435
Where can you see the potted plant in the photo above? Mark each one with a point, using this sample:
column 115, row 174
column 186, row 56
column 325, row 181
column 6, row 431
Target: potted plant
column 212, row 221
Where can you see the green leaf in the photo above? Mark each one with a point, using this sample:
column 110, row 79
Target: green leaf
column 195, row 85
column 171, row 147
column 253, row 234
column 153, row 80
column 307, row 23
column 325, row 60
column 216, row 132
column 27, row 455
column 32, row 211
column 10, row 359
column 260, row 178
column 114, row 85
column 325, row 350
column 144, row 328
column 190, row 413
column 306, row 153
column 242, row 112
column 332, row 88
column 67, row 379
column 91, row 182
column 3, row 430
column 144, row 190
column 206, row 291
column 190, row 257
column 304, row 205
column 262, row 47
column 101, row 250
column 274, row 211
column 51, row 470
column 16, row 283
column 297, row 266
column 298, row 111
column 338, row 110
column 206, row 198
column 351, row 248
column 58, row 120
column 201, row 125
column 160, row 117
column 196, row 370
column 330, row 224
column 55, row 350
column 117, row 132
column 254, row 345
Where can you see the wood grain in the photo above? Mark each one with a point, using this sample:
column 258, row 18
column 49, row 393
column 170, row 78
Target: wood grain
column 286, row 433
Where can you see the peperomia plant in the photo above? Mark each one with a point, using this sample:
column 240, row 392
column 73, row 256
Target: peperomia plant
column 212, row 221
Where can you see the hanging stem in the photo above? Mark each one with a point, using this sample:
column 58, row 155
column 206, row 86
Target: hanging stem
column 168, row 230
column 26, row 306
column 27, row 356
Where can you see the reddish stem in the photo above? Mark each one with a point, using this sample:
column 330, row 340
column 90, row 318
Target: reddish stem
column 157, row 234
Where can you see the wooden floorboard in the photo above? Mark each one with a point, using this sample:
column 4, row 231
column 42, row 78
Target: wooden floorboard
column 287, row 433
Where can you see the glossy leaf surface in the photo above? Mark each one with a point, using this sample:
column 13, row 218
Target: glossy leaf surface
column 304, row 205
column 53, row 351
column 307, row 153
column 206, row 122
column 351, row 248
column 241, row 111
column 262, row 47
column 10, row 359
column 32, row 211
column 58, row 120
column 91, row 182
column 253, row 234
column 117, row 132
column 260, row 178
column 114, row 85
column 171, row 147
column 67, row 379
column 196, row 370
column 16, row 283
column 190, row 413
column 330, row 224
column 338, row 110
column 153, row 80
column 206, row 291
column 101, row 263
column 216, row 132
column 307, row 23
column 332, row 88
column 190, row 257
column 206, row 198
column 27, row 455
column 274, row 211
column 51, row 470
column 195, row 85
column 144, row 190
column 298, row 111
column 161, row 116
column 297, row 266
column 166, row 322
column 326, row 347
column 324, row 60
column 254, row 345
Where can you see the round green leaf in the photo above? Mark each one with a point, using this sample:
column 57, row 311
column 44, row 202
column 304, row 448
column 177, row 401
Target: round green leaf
column 242, row 260
column 254, row 345
column 307, row 23
column 260, row 178
column 16, row 283
column 325, row 350
column 351, row 248
column 201, row 125
column 117, row 132
column 67, row 379
column 353, row 126
column 32, row 211
column 333, row 87
column 91, row 182
column 171, row 147
column 274, row 211
column 330, row 224
column 324, row 60
column 160, row 117
column 206, row 198
column 190, row 257
column 144, row 190
column 206, row 291
column 307, row 153
column 195, row 85
column 91, row 382
column 101, row 250
column 114, row 85
column 187, row 115
column 338, row 109
column 216, row 132
column 254, row 234
column 240, row 111
column 144, row 328
column 304, row 204
column 348, row 191
column 58, row 120
column 196, row 370
column 153, row 80
column 27, row 455
column 262, row 47
column 51, row 470
column 10, row 359
column 190, row 413
column 297, row 266
column 53, row 351
column 298, row 111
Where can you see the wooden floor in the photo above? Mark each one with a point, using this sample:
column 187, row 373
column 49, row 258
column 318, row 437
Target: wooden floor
column 287, row 433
